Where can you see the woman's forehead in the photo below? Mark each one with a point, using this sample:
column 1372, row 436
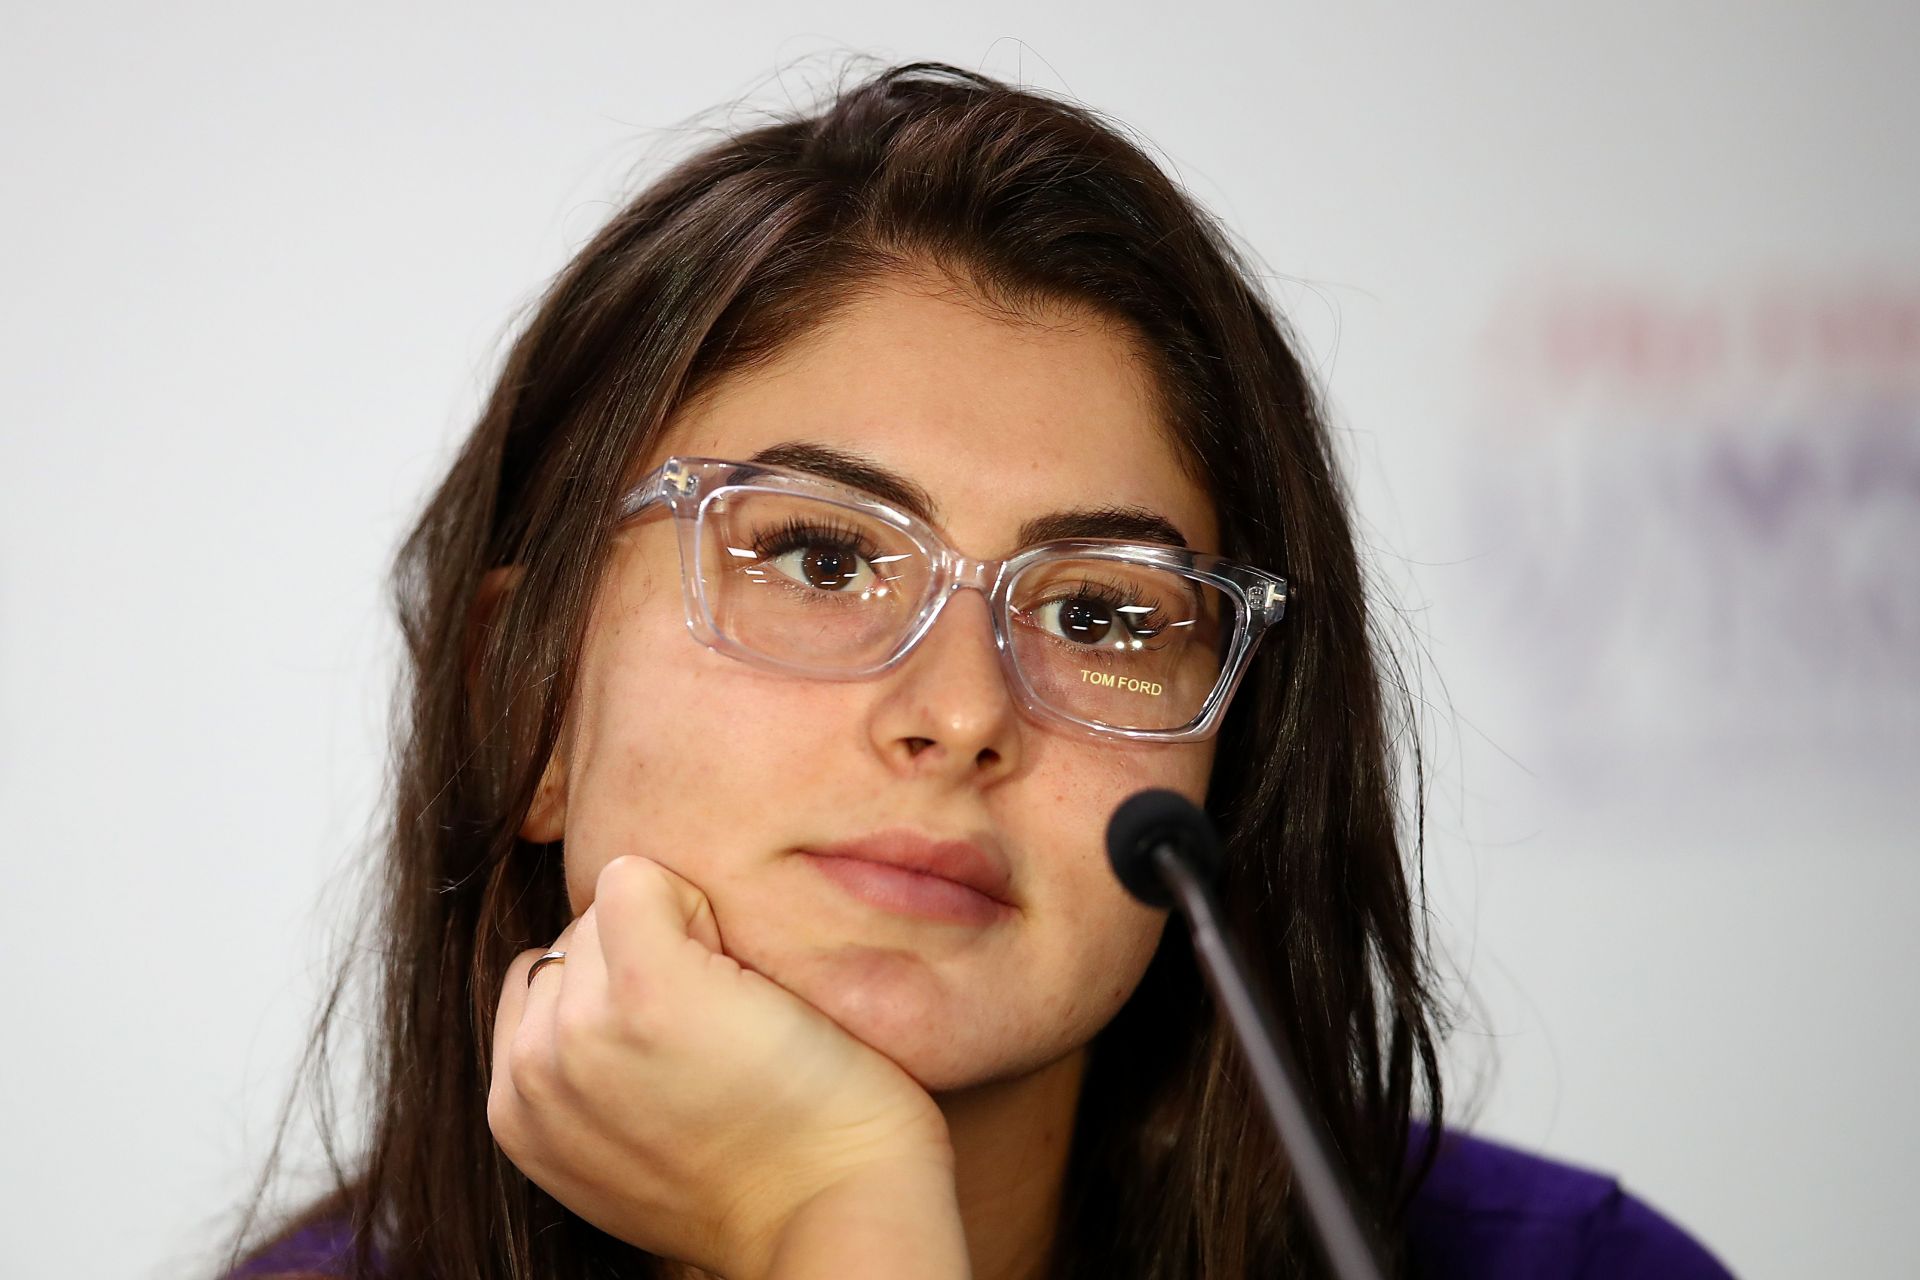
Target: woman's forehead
column 992, row 422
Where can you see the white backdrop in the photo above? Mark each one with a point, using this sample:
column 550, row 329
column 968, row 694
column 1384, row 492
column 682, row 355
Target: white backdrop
column 1620, row 318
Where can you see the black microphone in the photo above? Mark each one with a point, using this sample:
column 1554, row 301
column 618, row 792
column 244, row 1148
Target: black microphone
column 1166, row 853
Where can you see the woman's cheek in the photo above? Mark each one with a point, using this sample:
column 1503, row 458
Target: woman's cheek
column 1109, row 951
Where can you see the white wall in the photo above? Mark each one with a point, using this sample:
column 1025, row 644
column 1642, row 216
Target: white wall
column 1617, row 312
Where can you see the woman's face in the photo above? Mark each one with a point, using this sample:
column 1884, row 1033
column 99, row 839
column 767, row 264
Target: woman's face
column 729, row 774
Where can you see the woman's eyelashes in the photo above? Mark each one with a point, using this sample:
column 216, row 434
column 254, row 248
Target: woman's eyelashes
column 823, row 557
column 1098, row 615
column 1091, row 614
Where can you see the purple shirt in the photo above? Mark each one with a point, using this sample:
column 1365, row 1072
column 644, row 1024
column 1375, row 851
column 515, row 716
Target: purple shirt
column 1495, row 1212
column 1486, row 1212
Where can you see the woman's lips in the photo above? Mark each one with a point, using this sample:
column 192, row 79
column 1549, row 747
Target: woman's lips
column 910, row 893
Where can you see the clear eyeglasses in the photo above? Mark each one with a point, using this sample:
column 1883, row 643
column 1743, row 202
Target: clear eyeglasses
column 792, row 572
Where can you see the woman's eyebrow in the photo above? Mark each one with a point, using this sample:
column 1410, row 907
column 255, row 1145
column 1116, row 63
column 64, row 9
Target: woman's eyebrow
column 1134, row 524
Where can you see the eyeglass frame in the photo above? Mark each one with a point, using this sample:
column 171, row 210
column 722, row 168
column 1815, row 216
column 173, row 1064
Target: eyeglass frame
column 1259, row 597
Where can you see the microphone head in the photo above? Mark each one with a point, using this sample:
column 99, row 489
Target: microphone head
column 1145, row 821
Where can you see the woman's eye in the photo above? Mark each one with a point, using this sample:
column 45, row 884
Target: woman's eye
column 825, row 567
column 1076, row 618
column 1090, row 620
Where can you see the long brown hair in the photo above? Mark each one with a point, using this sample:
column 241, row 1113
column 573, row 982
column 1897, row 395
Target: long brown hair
column 720, row 264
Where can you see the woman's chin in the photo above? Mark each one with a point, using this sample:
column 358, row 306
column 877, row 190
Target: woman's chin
column 905, row 1008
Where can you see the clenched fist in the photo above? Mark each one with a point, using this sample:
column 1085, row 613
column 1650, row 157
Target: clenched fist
column 688, row 1105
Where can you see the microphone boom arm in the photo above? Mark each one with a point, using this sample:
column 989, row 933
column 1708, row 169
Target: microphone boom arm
column 1329, row 1205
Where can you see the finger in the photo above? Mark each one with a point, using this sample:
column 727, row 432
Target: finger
column 509, row 1014
column 646, row 915
column 546, row 986
column 562, row 953
column 523, row 1062
column 583, row 986
column 513, row 995
column 526, row 997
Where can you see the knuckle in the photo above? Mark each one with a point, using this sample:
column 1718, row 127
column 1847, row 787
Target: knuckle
column 505, row 1118
column 626, row 874
column 635, row 1028
column 575, row 1029
column 527, row 1068
column 634, row 994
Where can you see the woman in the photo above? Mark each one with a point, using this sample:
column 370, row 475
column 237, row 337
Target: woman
column 747, row 911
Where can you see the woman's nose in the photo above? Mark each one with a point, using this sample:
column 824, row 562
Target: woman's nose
column 948, row 702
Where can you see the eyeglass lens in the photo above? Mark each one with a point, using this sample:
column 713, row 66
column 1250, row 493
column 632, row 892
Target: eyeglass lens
column 827, row 586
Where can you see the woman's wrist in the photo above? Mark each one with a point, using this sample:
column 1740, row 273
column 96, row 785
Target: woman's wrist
column 896, row 1218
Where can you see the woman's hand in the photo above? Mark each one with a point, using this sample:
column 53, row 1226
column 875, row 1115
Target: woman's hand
column 693, row 1107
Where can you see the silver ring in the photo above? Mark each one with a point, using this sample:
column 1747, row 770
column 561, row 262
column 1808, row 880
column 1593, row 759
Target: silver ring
column 552, row 957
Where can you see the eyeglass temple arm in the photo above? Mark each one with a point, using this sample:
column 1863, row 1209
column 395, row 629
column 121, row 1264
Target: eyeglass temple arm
column 1268, row 598
column 660, row 484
